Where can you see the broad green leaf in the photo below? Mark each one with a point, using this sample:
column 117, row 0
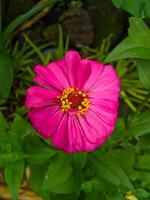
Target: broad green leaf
column 22, row 127
column 14, row 141
column 58, row 171
column 139, row 8
column 145, row 177
column 8, row 158
column 66, row 187
column 134, row 46
column 137, row 25
column 143, row 162
column 143, row 68
column 125, row 158
column 143, row 65
column 110, row 170
column 6, row 74
column 139, row 124
column 37, row 173
column 141, row 193
column 38, row 153
column 104, row 171
column 21, row 19
column 37, row 150
column 13, row 176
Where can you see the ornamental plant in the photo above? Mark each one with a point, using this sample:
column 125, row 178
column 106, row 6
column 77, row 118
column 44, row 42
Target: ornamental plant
column 76, row 102
column 58, row 146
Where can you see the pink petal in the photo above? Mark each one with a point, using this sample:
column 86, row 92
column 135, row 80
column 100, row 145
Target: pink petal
column 94, row 129
column 72, row 60
column 96, row 69
column 108, row 80
column 37, row 97
column 83, row 73
column 49, row 77
column 46, row 119
column 76, row 140
column 108, row 119
column 57, row 69
column 60, row 137
column 71, row 137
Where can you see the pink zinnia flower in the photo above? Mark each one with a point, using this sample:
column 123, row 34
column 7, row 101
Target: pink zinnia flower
column 75, row 103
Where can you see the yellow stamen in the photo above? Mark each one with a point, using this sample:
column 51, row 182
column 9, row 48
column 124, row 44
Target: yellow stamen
column 72, row 98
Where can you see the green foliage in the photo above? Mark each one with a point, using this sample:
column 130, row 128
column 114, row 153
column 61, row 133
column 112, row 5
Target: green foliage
column 144, row 72
column 139, row 125
column 134, row 46
column 81, row 174
column 6, row 74
column 6, row 62
column 19, row 20
column 13, row 176
column 138, row 8
column 122, row 164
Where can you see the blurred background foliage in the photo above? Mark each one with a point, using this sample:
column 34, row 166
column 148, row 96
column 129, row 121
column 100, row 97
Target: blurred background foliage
column 115, row 32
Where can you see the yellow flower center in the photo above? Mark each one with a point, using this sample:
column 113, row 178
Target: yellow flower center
column 73, row 98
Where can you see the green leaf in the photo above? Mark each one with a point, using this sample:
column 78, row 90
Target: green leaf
column 109, row 169
column 66, row 187
column 141, row 193
column 143, row 143
column 6, row 74
column 22, row 127
column 139, row 8
column 80, row 159
column 58, row 171
column 104, row 171
column 3, row 123
column 9, row 157
column 21, row 19
column 13, row 176
column 137, row 25
column 143, row 162
column 134, row 46
column 4, row 138
column 37, row 173
column 145, row 177
column 139, row 124
column 125, row 158
column 39, row 153
column 143, row 68
column 115, row 195
column 87, row 186
column 36, row 49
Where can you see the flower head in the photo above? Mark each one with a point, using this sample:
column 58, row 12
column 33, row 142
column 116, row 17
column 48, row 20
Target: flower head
column 76, row 102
